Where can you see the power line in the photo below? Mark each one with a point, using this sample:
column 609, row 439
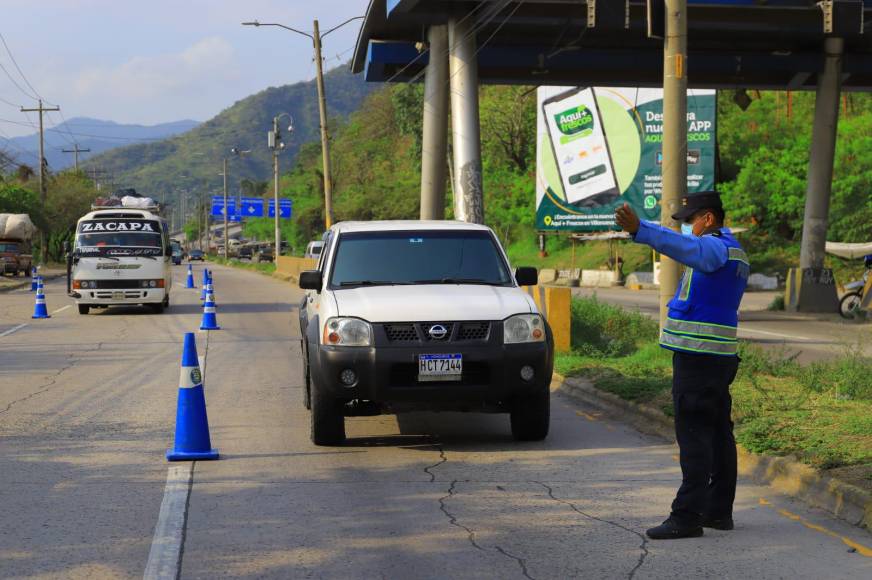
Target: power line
column 18, row 68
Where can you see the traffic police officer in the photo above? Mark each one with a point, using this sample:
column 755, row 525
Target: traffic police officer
column 701, row 331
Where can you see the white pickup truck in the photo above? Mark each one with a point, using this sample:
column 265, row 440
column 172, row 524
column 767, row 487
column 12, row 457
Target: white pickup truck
column 421, row 315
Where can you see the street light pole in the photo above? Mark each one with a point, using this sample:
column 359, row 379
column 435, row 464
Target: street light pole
column 316, row 38
column 325, row 147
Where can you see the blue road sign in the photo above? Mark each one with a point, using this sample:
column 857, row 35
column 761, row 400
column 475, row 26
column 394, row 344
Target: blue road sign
column 285, row 208
column 252, row 207
column 218, row 206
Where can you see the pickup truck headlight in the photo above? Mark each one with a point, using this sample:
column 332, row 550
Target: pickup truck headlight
column 523, row 328
column 347, row 332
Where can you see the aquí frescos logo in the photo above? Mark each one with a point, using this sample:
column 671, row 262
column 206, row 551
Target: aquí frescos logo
column 196, row 377
column 577, row 121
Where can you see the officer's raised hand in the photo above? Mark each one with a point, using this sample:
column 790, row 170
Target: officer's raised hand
column 627, row 219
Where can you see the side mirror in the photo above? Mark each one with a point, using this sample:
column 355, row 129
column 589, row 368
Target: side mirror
column 310, row 280
column 527, row 276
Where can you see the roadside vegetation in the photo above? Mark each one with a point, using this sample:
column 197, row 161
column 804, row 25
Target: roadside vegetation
column 821, row 412
column 262, row 267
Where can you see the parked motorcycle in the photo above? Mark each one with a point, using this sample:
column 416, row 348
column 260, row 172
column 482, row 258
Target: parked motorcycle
column 849, row 305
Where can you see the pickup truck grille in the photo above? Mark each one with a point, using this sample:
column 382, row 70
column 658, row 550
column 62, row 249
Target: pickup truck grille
column 419, row 332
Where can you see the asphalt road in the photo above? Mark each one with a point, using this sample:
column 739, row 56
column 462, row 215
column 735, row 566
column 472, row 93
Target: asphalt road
column 87, row 407
column 808, row 337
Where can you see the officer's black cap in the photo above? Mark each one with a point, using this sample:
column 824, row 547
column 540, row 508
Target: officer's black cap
column 693, row 202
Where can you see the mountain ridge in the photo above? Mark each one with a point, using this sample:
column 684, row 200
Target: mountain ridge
column 192, row 161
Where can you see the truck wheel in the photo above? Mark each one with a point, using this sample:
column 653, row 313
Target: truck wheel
column 327, row 423
column 166, row 301
column 531, row 417
column 83, row 308
column 157, row 308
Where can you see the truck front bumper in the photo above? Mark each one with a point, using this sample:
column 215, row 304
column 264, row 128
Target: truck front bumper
column 491, row 377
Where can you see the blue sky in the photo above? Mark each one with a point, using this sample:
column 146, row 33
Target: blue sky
column 153, row 61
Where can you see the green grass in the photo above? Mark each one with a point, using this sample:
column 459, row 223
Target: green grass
column 819, row 413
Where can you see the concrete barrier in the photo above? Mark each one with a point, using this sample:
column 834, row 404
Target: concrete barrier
column 289, row 267
column 554, row 304
column 598, row 278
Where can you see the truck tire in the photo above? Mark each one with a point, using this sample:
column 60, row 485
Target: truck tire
column 84, row 308
column 327, row 423
column 157, row 308
column 531, row 416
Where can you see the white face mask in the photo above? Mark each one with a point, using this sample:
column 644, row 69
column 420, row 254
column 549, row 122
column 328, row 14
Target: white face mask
column 687, row 229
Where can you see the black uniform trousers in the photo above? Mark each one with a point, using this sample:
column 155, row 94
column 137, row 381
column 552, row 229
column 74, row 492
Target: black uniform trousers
column 704, row 430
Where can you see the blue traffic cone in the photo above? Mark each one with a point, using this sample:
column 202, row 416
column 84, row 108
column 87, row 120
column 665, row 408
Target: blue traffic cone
column 39, row 309
column 205, row 289
column 192, row 425
column 205, row 275
column 33, row 280
column 189, row 283
column 209, row 321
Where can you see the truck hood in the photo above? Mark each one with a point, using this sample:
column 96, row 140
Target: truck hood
column 432, row 302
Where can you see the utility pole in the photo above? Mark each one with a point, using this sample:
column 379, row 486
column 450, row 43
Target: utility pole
column 325, row 147
column 674, row 137
column 274, row 141
column 225, row 207
column 76, row 150
column 42, row 194
column 316, row 38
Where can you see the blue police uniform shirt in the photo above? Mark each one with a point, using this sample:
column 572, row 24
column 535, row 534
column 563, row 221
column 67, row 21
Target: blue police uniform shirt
column 703, row 315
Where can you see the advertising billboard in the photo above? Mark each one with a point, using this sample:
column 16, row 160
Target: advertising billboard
column 599, row 147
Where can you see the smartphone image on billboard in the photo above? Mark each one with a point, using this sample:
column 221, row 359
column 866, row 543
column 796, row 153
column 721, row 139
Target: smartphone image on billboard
column 581, row 148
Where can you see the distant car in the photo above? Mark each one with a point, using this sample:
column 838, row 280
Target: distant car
column 313, row 250
column 264, row 254
column 196, row 255
column 245, row 253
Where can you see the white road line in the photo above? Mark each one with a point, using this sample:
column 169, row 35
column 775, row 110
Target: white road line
column 164, row 558
column 62, row 309
column 778, row 334
column 13, row 329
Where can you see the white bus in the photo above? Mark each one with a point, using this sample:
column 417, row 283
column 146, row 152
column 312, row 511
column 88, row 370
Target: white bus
column 121, row 257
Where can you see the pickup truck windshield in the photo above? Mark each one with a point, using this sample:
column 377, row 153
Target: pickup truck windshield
column 419, row 257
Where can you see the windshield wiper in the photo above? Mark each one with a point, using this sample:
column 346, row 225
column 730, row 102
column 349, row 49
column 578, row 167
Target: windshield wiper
column 460, row 281
column 373, row 283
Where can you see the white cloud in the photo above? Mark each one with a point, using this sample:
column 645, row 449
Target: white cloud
column 210, row 61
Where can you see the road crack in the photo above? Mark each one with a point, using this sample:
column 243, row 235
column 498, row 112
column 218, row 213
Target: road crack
column 442, row 459
column 470, row 533
column 52, row 381
column 643, row 547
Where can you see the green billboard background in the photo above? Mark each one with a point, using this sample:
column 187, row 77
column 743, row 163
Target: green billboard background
column 632, row 121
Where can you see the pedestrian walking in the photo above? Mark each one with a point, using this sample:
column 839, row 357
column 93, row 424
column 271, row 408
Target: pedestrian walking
column 700, row 329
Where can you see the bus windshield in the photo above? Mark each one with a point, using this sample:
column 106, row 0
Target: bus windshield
column 119, row 236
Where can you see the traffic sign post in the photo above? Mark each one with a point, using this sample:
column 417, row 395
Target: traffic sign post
column 285, row 208
column 218, row 207
column 251, row 207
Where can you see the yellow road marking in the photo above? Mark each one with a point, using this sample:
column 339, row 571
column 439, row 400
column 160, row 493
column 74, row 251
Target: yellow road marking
column 861, row 549
column 587, row 416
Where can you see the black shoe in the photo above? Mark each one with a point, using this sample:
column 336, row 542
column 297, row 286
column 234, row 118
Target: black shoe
column 725, row 524
column 672, row 530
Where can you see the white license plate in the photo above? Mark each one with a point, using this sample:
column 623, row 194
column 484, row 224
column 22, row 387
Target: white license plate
column 440, row 367
column 118, row 296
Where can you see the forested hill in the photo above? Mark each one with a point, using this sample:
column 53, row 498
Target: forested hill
column 192, row 161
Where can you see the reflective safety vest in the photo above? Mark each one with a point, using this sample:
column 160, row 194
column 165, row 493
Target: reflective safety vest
column 703, row 316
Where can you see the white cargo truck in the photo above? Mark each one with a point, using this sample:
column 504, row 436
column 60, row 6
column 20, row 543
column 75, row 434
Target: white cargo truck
column 121, row 256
